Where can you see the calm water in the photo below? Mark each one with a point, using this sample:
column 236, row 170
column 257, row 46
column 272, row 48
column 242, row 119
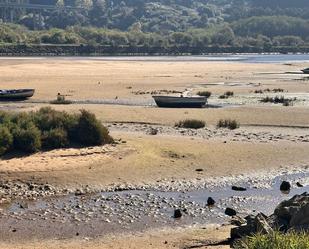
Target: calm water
column 249, row 58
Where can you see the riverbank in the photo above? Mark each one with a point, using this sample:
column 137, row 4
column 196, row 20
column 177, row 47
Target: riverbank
column 90, row 50
column 92, row 197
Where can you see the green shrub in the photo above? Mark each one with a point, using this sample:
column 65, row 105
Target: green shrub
column 206, row 94
column 258, row 91
column 228, row 123
column 90, row 131
column 55, row 138
column 278, row 100
column 50, row 129
column 275, row 240
column 229, row 93
column 223, row 96
column 6, row 140
column 226, row 95
column 47, row 119
column 191, row 123
column 60, row 102
column 27, row 140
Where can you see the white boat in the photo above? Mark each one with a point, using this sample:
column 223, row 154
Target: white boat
column 180, row 102
column 15, row 94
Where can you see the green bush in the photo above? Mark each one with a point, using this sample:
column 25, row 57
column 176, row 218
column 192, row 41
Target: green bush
column 226, row 95
column 27, row 140
column 191, row 123
column 47, row 119
column 228, row 123
column 206, row 94
column 50, row 129
column 90, row 131
column 55, row 138
column 229, row 94
column 6, row 140
column 275, row 240
column 278, row 100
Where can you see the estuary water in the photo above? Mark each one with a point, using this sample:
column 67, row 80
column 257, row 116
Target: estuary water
column 247, row 58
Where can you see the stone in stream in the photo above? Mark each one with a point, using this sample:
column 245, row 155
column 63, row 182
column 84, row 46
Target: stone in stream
column 177, row 214
column 23, row 205
column 210, row 201
column 153, row 131
column 230, row 211
column 236, row 188
column 285, row 186
column 298, row 184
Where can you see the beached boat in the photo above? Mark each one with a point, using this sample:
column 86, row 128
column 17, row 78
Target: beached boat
column 15, row 94
column 180, row 102
column 306, row 70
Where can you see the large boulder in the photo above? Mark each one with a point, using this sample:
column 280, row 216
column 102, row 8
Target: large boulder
column 289, row 214
column 294, row 212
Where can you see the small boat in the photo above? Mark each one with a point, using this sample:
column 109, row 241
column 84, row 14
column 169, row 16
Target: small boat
column 306, row 70
column 16, row 94
column 180, row 102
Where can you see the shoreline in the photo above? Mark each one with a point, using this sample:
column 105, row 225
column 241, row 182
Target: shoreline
column 208, row 57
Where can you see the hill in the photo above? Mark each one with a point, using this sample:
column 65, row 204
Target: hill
column 161, row 23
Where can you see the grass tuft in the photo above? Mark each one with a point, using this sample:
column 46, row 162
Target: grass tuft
column 191, row 124
column 228, row 123
column 276, row 240
column 206, row 94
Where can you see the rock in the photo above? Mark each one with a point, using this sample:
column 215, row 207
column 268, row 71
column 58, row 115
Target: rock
column 230, row 212
column 261, row 224
column 238, row 221
column 240, row 231
column 199, row 170
column 79, row 192
column 236, row 188
column 255, row 224
column 292, row 214
column 285, row 186
column 210, row 201
column 298, row 184
column 177, row 214
column 153, row 131
column 23, row 205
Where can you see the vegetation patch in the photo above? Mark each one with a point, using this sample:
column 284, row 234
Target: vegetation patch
column 226, row 95
column 228, row 123
column 278, row 100
column 49, row 129
column 275, row 90
column 275, row 240
column 206, row 94
column 61, row 102
column 191, row 124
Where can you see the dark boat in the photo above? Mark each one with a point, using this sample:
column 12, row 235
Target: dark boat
column 180, row 102
column 16, row 94
column 306, row 70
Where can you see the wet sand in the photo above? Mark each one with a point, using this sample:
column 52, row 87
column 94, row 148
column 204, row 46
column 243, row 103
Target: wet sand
column 273, row 140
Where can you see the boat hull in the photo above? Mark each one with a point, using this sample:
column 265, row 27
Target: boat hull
column 18, row 94
column 306, row 71
column 180, row 102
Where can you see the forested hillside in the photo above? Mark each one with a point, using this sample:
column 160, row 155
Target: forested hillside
column 161, row 23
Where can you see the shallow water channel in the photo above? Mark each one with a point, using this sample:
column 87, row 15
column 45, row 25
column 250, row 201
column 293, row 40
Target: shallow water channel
column 103, row 213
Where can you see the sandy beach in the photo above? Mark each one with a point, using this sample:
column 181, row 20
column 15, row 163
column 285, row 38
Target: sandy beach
column 272, row 140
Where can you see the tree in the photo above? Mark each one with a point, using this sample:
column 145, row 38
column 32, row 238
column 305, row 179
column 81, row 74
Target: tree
column 85, row 4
